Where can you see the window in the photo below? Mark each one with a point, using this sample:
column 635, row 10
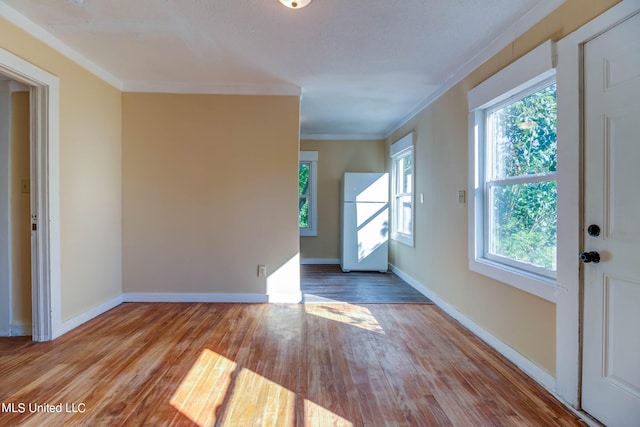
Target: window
column 513, row 190
column 307, row 193
column 402, row 190
column 520, row 186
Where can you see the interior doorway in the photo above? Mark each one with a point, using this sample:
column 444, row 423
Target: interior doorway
column 44, row 186
column 15, row 209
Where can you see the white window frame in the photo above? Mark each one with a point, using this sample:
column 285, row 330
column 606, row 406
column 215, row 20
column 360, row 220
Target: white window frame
column 398, row 150
column 311, row 158
column 532, row 72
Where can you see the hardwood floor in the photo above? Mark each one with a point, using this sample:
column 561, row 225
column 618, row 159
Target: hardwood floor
column 272, row 365
column 327, row 283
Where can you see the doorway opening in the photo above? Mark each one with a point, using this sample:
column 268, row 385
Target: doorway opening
column 15, row 206
column 44, row 187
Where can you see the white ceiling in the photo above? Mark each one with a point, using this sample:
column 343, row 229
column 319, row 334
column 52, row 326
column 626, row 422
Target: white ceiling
column 362, row 66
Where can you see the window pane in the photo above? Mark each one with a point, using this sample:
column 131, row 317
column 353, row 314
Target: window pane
column 303, row 212
column 523, row 223
column 523, row 136
column 303, row 178
column 403, row 215
column 404, row 171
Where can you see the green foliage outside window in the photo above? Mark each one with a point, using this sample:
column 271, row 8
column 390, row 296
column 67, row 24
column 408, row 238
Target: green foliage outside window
column 523, row 225
column 303, row 195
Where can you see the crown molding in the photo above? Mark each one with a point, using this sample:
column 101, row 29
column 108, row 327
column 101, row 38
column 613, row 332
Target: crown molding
column 56, row 44
column 515, row 30
column 342, row 137
column 53, row 42
column 212, row 89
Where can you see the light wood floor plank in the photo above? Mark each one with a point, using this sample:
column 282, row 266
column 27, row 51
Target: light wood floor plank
column 271, row 365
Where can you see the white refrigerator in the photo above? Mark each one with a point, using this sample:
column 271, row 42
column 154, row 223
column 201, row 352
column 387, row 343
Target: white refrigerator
column 364, row 222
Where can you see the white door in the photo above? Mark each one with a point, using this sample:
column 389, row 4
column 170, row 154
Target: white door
column 611, row 335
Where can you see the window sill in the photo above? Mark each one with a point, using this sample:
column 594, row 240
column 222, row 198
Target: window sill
column 403, row 238
column 540, row 286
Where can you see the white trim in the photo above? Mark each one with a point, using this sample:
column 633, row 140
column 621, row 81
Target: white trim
column 89, row 314
column 569, row 205
column 531, row 72
column 55, row 43
column 308, row 156
column 21, row 329
column 194, row 297
column 539, row 286
column 531, row 69
column 399, row 149
column 402, row 144
column 342, row 136
column 45, row 192
column 320, row 261
column 519, row 27
column 211, row 88
column 527, row 366
column 5, row 213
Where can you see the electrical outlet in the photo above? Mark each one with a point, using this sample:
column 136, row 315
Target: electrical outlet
column 262, row 270
column 461, row 196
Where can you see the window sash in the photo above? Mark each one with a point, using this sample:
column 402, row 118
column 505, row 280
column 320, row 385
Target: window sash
column 489, row 222
column 402, row 203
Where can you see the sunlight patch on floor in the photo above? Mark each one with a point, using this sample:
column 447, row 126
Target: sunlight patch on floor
column 256, row 400
column 319, row 416
column 204, row 388
column 348, row 314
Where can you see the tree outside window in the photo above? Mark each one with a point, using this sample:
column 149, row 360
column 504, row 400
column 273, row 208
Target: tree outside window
column 521, row 188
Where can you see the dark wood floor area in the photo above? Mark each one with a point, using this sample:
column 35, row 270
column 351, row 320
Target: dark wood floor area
column 327, row 283
column 269, row 365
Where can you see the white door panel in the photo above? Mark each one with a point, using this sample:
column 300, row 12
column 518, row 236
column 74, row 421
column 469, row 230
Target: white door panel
column 611, row 334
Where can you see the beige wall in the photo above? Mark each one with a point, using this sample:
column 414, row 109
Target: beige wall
column 20, row 211
column 90, row 175
column 209, row 191
column 439, row 259
column 334, row 159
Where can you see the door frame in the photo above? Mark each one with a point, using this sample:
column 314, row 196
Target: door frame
column 44, row 89
column 569, row 76
column 5, row 208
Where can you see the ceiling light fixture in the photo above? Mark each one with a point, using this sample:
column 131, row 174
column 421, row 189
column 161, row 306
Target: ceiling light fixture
column 295, row 4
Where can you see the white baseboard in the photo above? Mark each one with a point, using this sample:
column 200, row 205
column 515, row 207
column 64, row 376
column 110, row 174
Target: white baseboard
column 534, row 371
column 194, row 297
column 20, row 330
column 88, row 315
column 294, row 298
column 324, row 261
